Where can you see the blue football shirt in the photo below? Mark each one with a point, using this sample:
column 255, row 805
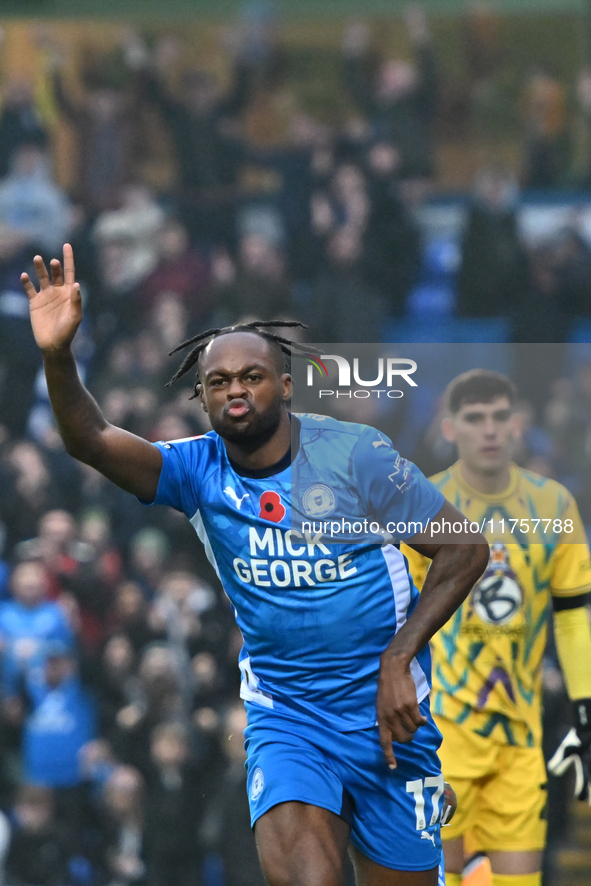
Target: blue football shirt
column 315, row 612
column 25, row 633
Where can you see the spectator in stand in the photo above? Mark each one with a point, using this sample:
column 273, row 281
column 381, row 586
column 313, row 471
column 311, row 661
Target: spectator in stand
column 208, row 686
column 290, row 170
column 177, row 793
column 546, row 150
column 20, row 121
column 19, row 363
column 226, row 829
column 117, row 368
column 207, row 157
column 84, row 571
column 258, row 285
column 127, row 254
column 99, row 573
column 339, row 290
column 169, row 318
column 61, row 720
column 581, row 171
column 129, row 614
column 149, row 550
column 39, row 847
column 161, row 698
column 542, row 312
column 572, row 263
column 103, row 553
column 30, row 491
column 181, row 270
column 398, row 97
column 391, row 239
column 31, row 203
column 177, row 613
column 115, row 681
column 342, row 202
column 94, row 491
column 56, row 545
column 494, row 270
column 28, row 623
column 104, row 119
column 123, row 827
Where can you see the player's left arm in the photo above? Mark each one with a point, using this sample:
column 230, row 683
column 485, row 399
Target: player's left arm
column 410, row 508
column 570, row 586
column 457, row 564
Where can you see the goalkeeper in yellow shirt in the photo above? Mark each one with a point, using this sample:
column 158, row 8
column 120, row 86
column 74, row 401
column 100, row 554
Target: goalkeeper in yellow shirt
column 487, row 660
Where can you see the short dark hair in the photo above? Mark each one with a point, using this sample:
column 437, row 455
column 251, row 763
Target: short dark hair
column 478, row 386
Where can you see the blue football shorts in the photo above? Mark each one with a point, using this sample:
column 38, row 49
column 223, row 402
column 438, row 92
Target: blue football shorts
column 393, row 814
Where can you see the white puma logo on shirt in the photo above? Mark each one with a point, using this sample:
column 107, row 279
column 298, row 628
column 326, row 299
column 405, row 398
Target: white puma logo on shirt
column 425, row 835
column 231, row 493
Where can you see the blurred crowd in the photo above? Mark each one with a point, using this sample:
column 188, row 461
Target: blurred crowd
column 121, row 748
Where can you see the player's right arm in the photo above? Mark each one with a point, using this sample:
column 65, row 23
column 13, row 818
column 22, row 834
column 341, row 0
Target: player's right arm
column 56, row 312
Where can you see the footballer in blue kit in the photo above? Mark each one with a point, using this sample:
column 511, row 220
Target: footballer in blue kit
column 341, row 746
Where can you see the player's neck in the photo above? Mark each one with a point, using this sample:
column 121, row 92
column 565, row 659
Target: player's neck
column 268, row 453
column 488, row 484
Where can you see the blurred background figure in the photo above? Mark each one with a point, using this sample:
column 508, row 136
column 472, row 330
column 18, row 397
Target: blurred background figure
column 546, row 156
column 123, row 809
column 20, row 121
column 494, row 268
column 399, row 96
column 104, row 119
column 32, row 205
column 175, row 803
column 226, row 828
column 39, row 850
column 29, row 623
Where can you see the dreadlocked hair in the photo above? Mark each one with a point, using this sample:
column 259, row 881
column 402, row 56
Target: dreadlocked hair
column 259, row 327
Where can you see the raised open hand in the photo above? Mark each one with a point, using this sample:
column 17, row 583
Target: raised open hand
column 56, row 309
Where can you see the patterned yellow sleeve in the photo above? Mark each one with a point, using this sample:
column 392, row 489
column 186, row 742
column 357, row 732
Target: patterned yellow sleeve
column 571, row 565
column 418, row 565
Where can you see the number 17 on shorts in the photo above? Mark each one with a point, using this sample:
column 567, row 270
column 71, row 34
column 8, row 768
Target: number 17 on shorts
column 427, row 793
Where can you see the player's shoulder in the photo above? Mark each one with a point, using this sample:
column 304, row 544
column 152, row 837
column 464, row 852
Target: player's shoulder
column 195, row 448
column 443, row 480
column 313, row 424
column 198, row 440
column 316, row 421
column 539, row 487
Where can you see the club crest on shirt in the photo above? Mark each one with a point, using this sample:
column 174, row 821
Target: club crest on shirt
column 258, row 783
column 497, row 596
column 318, row 500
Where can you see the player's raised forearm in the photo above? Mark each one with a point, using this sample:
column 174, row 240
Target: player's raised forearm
column 127, row 460
column 78, row 417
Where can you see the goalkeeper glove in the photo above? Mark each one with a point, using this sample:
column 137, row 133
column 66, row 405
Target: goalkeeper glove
column 575, row 750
